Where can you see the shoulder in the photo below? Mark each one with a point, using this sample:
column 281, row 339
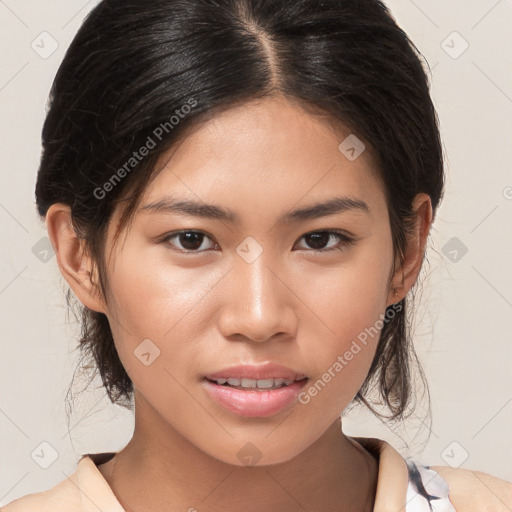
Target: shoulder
column 63, row 497
column 474, row 491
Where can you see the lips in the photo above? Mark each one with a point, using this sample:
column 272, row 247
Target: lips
column 255, row 390
column 253, row 403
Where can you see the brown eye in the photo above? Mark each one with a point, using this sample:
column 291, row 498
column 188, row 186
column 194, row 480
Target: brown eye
column 318, row 240
column 190, row 241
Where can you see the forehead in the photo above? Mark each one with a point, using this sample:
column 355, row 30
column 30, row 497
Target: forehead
column 265, row 147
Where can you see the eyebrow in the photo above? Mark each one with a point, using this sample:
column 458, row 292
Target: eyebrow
column 331, row 206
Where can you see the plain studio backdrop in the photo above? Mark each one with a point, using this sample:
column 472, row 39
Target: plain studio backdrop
column 462, row 332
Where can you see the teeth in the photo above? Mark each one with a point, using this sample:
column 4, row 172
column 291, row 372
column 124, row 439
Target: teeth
column 252, row 383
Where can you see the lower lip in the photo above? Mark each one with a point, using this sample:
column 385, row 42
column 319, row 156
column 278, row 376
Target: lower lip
column 252, row 403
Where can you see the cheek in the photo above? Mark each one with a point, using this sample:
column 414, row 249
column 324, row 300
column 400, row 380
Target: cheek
column 349, row 298
column 159, row 302
column 154, row 298
column 348, row 306
column 341, row 358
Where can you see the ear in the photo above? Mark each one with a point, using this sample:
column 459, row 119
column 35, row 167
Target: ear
column 406, row 274
column 74, row 262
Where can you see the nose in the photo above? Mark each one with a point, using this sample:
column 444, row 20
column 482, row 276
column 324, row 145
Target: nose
column 259, row 304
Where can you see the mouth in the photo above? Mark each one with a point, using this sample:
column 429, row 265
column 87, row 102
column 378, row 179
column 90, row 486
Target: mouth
column 245, row 384
column 255, row 390
column 254, row 397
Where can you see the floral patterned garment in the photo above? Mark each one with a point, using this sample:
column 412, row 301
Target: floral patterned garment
column 427, row 490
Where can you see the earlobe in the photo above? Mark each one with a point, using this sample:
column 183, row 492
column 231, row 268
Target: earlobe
column 74, row 262
column 407, row 273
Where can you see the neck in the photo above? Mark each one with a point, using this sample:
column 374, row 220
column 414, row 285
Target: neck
column 332, row 474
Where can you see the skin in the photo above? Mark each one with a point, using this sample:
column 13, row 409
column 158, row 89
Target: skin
column 213, row 309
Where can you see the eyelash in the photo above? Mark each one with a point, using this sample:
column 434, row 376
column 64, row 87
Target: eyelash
column 344, row 239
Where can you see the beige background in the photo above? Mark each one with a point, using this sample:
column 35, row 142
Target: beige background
column 463, row 329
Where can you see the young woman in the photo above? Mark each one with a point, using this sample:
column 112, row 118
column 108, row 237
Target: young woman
column 240, row 193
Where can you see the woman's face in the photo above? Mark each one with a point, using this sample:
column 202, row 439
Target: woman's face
column 252, row 289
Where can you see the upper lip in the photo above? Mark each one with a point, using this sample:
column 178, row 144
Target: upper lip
column 263, row 371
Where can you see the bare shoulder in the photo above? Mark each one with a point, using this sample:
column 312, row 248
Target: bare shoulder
column 63, row 497
column 472, row 491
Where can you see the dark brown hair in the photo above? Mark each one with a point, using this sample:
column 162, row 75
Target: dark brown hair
column 155, row 69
